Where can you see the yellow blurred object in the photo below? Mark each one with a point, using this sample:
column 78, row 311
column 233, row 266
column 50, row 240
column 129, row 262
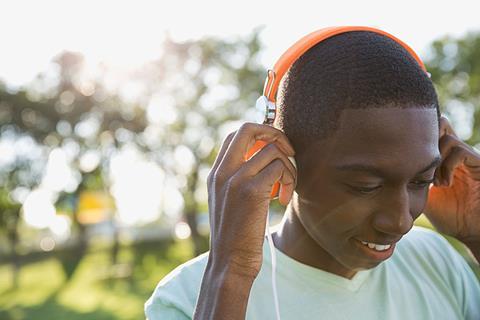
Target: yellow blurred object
column 423, row 221
column 94, row 207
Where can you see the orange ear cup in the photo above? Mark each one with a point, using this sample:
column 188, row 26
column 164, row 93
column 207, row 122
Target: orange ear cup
column 293, row 53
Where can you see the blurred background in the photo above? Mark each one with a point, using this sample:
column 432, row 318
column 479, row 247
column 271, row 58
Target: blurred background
column 111, row 114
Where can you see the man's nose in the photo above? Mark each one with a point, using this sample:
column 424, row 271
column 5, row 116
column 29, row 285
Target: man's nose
column 394, row 216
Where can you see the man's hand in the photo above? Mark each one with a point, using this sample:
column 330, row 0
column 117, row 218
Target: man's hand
column 453, row 204
column 238, row 197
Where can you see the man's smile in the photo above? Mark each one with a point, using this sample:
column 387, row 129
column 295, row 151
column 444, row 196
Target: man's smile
column 375, row 251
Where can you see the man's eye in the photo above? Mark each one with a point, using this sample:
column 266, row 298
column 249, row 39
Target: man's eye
column 420, row 184
column 365, row 190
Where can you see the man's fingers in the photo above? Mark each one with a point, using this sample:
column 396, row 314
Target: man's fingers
column 446, row 127
column 265, row 156
column 455, row 158
column 286, row 193
column 222, row 151
column 447, row 139
column 273, row 172
column 454, row 153
column 245, row 138
column 211, row 175
column 257, row 163
column 445, row 145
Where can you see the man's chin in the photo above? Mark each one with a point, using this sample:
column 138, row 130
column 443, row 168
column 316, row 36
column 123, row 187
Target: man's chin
column 362, row 264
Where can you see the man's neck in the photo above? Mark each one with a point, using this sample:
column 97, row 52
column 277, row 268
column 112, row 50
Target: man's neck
column 293, row 240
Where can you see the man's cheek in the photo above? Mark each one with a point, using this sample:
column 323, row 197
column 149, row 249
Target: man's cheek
column 350, row 213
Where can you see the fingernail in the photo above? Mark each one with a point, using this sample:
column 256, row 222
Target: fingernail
column 292, row 160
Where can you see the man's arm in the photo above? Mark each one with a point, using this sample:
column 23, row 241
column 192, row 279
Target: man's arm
column 223, row 294
column 239, row 190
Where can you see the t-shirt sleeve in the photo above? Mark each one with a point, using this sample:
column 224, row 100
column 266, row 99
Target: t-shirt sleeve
column 159, row 311
column 175, row 296
column 456, row 272
column 465, row 285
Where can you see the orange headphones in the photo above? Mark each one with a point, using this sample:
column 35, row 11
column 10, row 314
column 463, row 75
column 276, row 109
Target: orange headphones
column 268, row 100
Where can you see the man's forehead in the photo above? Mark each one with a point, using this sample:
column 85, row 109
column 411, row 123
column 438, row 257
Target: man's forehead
column 379, row 135
column 391, row 122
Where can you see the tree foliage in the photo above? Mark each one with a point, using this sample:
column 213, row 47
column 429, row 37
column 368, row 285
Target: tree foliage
column 193, row 93
column 455, row 67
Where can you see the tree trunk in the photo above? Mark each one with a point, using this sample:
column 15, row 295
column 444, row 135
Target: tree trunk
column 13, row 239
column 191, row 217
column 115, row 244
column 191, row 212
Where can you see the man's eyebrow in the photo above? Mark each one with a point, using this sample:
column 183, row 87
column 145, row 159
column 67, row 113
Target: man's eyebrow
column 378, row 172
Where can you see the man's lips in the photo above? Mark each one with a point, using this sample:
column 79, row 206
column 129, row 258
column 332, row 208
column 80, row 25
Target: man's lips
column 378, row 241
column 376, row 251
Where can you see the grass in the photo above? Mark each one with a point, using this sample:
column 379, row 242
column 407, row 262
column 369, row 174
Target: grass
column 95, row 290
column 88, row 287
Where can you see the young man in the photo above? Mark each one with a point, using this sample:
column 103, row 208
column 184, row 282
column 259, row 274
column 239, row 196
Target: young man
column 363, row 123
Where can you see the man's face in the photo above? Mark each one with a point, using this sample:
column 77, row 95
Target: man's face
column 367, row 182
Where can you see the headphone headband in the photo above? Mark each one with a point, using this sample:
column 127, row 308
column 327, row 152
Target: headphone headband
column 301, row 46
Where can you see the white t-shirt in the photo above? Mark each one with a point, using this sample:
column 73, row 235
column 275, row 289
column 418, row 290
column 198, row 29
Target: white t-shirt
column 425, row 278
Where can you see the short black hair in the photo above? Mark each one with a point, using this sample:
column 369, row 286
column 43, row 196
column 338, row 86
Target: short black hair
column 359, row 69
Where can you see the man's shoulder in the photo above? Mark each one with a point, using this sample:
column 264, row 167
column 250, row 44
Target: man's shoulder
column 429, row 251
column 179, row 288
column 423, row 242
column 428, row 255
column 191, row 268
column 420, row 234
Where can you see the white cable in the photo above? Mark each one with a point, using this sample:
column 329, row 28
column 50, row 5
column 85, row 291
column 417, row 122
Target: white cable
column 274, row 257
column 274, row 268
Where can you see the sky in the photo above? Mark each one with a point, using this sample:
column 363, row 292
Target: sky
column 124, row 34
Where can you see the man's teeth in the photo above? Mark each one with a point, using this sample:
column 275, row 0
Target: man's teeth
column 378, row 247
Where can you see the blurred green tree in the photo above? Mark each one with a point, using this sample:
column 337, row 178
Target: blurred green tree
column 17, row 173
column 196, row 92
column 67, row 112
column 199, row 90
column 455, row 67
column 9, row 216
